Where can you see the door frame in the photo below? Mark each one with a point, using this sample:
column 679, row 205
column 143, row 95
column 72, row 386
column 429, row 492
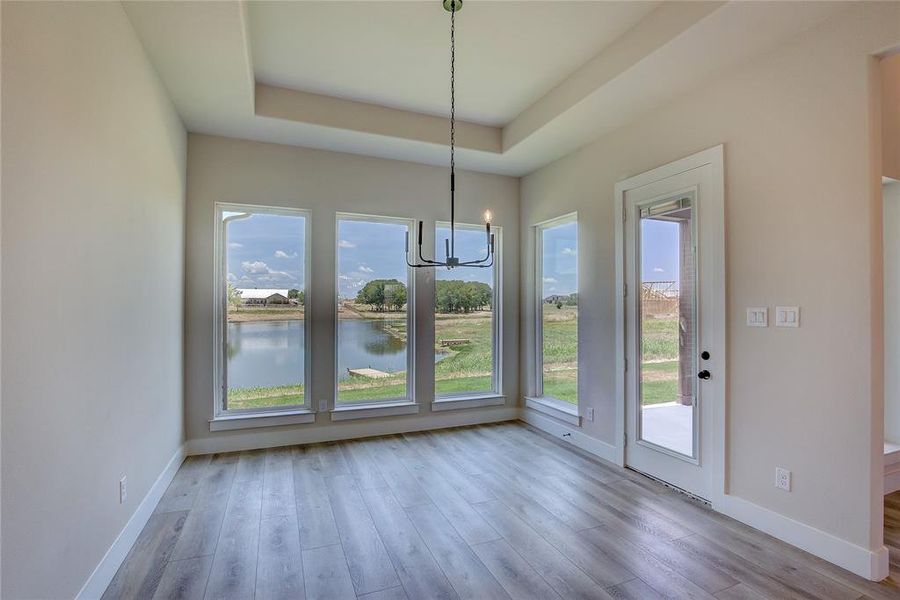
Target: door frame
column 713, row 157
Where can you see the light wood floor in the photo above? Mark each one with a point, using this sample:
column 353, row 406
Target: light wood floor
column 496, row 511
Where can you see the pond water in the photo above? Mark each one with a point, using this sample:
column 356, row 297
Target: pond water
column 270, row 353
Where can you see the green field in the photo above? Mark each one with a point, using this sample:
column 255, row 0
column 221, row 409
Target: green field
column 467, row 368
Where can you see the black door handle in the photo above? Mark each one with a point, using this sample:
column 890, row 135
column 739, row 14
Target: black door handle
column 704, row 374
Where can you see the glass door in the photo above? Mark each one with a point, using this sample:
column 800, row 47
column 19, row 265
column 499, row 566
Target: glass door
column 667, row 346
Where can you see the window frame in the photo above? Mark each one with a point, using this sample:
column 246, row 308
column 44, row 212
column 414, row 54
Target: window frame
column 496, row 325
column 220, row 312
column 538, row 296
column 410, row 397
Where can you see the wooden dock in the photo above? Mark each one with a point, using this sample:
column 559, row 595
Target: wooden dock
column 369, row 373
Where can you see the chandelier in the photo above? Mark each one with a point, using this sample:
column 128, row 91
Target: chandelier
column 451, row 261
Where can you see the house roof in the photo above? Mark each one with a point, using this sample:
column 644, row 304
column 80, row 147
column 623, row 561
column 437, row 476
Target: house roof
column 260, row 293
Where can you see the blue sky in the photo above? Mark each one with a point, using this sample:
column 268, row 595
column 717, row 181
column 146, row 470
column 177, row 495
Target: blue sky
column 659, row 250
column 560, row 260
column 265, row 251
column 367, row 251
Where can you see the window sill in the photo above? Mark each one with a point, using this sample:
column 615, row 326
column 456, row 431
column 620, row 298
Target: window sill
column 367, row 411
column 250, row 421
column 557, row 409
column 464, row 402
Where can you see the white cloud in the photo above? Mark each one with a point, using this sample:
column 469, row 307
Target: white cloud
column 346, row 244
column 264, row 273
column 231, row 277
column 549, row 280
column 255, row 267
column 235, row 245
column 365, row 269
column 570, row 251
column 283, row 254
column 658, row 270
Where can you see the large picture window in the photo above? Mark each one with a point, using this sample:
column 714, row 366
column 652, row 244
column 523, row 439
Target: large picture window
column 557, row 304
column 374, row 324
column 261, row 333
column 466, row 317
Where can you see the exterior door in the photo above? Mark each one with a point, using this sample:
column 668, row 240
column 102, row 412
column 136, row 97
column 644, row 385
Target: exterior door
column 674, row 325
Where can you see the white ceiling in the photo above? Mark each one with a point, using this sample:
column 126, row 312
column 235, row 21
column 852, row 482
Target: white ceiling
column 536, row 79
column 396, row 54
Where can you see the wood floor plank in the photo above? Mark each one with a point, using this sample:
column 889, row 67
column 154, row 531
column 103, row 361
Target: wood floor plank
column 279, row 569
column 740, row 592
column 143, row 567
column 233, row 571
column 362, row 466
column 396, row 593
column 314, row 514
column 562, row 575
column 741, row 569
column 326, row 574
column 201, row 528
column 278, row 484
column 602, row 568
column 184, row 579
column 182, row 492
column 666, row 581
column 415, row 565
column 706, row 576
column 467, row 522
column 513, row 572
column 402, row 483
column 498, row 510
column 450, row 469
column 635, row 589
column 367, row 558
column 467, row 574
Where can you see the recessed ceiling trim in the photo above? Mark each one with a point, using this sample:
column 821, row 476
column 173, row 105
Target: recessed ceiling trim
column 328, row 111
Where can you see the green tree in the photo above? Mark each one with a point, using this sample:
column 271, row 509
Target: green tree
column 298, row 295
column 381, row 294
column 234, row 296
column 455, row 296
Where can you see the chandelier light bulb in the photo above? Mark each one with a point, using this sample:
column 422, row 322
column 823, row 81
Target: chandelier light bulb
column 488, row 216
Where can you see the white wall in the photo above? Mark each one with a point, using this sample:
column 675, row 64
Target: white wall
column 803, row 209
column 892, row 312
column 890, row 114
column 229, row 170
column 92, row 305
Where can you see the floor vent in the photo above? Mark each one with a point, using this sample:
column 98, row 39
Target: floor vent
column 693, row 497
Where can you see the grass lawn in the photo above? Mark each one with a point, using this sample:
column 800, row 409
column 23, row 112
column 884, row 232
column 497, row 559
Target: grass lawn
column 467, row 368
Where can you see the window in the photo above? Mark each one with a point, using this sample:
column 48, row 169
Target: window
column 374, row 312
column 557, row 304
column 466, row 318
column 261, row 333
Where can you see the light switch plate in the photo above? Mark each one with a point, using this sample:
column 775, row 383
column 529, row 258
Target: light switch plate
column 758, row 316
column 787, row 316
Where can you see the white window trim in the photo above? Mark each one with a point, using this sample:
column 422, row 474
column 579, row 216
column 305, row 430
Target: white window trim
column 539, row 310
column 463, row 402
column 496, row 390
column 254, row 420
column 340, row 408
column 370, row 410
column 220, row 413
column 559, row 409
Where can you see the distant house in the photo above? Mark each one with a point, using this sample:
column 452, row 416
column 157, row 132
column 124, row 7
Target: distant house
column 263, row 297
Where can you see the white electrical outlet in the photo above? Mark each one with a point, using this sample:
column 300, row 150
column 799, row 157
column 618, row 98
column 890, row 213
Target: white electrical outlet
column 590, row 414
column 323, row 405
column 782, row 479
column 123, row 490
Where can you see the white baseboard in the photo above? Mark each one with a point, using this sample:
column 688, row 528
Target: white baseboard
column 872, row 565
column 99, row 580
column 575, row 437
column 346, row 430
